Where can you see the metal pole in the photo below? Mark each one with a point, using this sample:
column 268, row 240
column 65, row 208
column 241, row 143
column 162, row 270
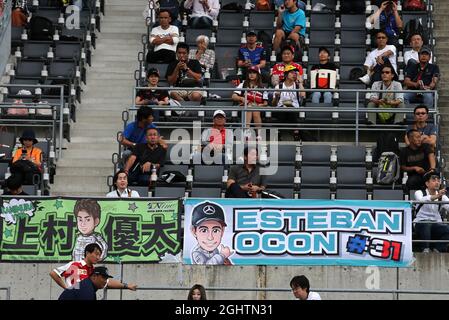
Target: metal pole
column 61, row 120
column 357, row 119
column 121, row 279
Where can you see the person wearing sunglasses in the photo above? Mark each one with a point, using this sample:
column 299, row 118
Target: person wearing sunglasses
column 427, row 130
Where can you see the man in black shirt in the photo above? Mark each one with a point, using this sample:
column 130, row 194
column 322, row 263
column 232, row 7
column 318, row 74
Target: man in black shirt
column 87, row 289
column 145, row 158
column 417, row 159
column 184, row 72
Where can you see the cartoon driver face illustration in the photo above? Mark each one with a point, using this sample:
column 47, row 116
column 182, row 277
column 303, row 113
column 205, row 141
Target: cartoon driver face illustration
column 208, row 226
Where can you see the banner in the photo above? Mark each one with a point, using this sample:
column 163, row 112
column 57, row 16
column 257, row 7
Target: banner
column 58, row 229
column 297, row 232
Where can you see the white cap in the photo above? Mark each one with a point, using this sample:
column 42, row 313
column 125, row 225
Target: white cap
column 217, row 112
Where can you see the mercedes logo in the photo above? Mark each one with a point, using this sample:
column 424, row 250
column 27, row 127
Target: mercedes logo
column 208, row 210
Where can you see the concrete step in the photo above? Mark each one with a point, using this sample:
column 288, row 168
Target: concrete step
column 73, row 184
column 85, row 140
column 93, row 132
column 103, row 154
column 90, row 171
column 99, row 126
column 66, row 162
column 110, row 146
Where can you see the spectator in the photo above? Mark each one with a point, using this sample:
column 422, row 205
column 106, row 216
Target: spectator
column 325, row 64
column 14, row 185
column 197, row 292
column 245, row 181
column 290, row 25
column 152, row 96
column 217, row 137
column 252, row 54
column 412, row 55
column 376, row 59
column 164, row 38
column 203, row 12
column 205, row 56
column 428, row 130
column 184, row 72
column 429, row 225
column 171, row 6
column 277, row 72
column 421, row 76
column 389, row 20
column 416, row 159
column 386, row 99
column 301, row 4
column 301, row 289
column 88, row 287
column 145, row 158
column 27, row 159
column 120, row 185
column 253, row 98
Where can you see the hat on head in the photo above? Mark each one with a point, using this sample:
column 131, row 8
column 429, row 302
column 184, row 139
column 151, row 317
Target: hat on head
column 289, row 68
column 254, row 69
column 251, row 33
column 425, row 49
column 219, row 112
column 153, row 71
column 207, row 211
column 28, row 134
column 430, row 175
column 102, row 271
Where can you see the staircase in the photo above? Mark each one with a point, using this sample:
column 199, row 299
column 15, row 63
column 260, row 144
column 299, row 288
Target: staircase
column 86, row 162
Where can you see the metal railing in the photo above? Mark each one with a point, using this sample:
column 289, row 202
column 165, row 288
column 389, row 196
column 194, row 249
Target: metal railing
column 7, row 291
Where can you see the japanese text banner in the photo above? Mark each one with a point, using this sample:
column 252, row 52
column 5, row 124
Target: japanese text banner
column 297, row 232
column 58, row 229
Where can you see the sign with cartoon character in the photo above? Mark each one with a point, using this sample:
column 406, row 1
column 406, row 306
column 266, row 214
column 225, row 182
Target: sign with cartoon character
column 297, row 232
column 58, row 229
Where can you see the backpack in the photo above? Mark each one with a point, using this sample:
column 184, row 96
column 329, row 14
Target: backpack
column 414, row 5
column 356, row 73
column 41, row 28
column 171, row 177
column 412, row 27
column 388, row 168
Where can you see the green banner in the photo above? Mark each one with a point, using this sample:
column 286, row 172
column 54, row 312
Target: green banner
column 58, row 229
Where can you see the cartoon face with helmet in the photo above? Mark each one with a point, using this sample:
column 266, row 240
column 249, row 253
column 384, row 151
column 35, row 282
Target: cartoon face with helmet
column 208, row 226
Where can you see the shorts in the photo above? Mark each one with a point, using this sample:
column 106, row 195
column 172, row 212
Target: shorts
column 185, row 94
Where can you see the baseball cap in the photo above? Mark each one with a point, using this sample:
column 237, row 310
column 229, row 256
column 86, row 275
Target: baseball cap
column 102, row 271
column 153, row 71
column 207, row 211
column 431, row 175
column 219, row 112
column 254, row 68
column 251, row 33
column 425, row 49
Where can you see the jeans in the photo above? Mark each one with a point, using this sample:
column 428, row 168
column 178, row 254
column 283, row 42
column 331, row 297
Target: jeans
column 435, row 231
column 411, row 97
column 327, row 96
column 200, row 23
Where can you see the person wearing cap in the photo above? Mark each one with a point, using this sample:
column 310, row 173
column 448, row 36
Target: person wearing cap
column 208, row 227
column 14, row 186
column 205, row 56
column 428, row 222
column 416, row 159
column 277, row 72
column 412, row 55
column 428, row 130
column 217, row 137
column 164, row 38
column 290, row 24
column 252, row 53
column 27, row 159
column 153, row 96
column 288, row 94
column 421, row 76
column 324, row 64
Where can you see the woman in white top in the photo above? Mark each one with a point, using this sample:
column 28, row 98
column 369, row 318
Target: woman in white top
column 120, row 185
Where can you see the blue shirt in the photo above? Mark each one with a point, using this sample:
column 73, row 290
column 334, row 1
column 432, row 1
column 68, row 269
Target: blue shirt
column 136, row 134
column 291, row 20
column 255, row 55
column 85, row 291
column 388, row 23
column 428, row 130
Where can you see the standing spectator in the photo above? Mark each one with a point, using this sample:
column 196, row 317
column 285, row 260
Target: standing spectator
column 277, row 72
column 290, row 24
column 14, row 185
column 88, row 287
column 324, row 64
column 144, row 158
column 412, row 55
column 252, row 54
column 389, row 20
column 376, row 59
column 164, row 39
column 197, row 292
column 421, row 76
column 171, row 6
column 253, row 98
column 301, row 289
column 416, row 159
column 153, row 96
column 428, row 130
column 203, row 12
column 429, row 225
column 184, row 72
column 386, row 99
column 27, row 159
column 205, row 56
column 120, row 185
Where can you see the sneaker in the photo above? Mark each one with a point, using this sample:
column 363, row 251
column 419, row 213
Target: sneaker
column 365, row 79
column 426, row 250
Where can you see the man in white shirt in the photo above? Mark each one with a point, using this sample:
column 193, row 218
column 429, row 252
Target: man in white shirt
column 203, row 12
column 164, row 39
column 376, row 59
column 428, row 218
column 412, row 55
column 301, row 289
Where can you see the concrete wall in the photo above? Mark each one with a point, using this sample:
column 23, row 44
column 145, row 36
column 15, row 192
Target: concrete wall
column 429, row 272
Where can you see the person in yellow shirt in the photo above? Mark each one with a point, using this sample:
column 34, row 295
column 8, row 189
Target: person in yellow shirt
column 28, row 159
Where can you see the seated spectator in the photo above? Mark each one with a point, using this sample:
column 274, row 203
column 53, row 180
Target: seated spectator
column 428, row 130
column 416, row 159
column 205, row 56
column 27, row 159
column 376, row 59
column 386, row 99
column 203, row 12
column 421, row 76
column 120, row 185
column 277, row 72
column 429, row 225
column 325, row 64
column 217, row 137
column 153, row 96
column 301, row 4
column 412, row 55
column 164, row 39
column 184, row 72
column 389, row 20
column 14, row 186
column 144, row 158
column 253, row 98
column 171, row 6
column 290, row 25
column 245, row 181
column 252, row 54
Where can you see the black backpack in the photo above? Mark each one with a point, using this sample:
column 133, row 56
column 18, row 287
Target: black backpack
column 356, row 73
column 41, row 28
column 386, row 142
column 172, row 177
column 412, row 27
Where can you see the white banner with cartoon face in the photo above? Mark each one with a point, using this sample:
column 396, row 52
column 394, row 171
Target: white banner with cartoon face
column 297, row 232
